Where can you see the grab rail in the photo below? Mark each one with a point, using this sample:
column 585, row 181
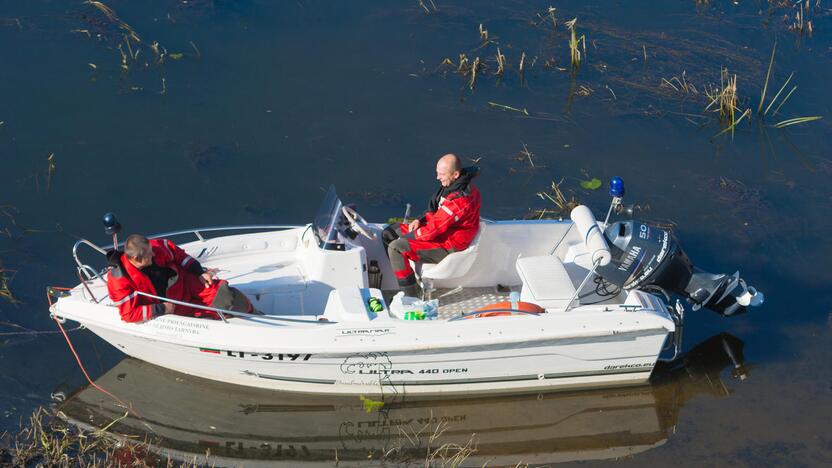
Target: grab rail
column 223, row 312
column 489, row 311
column 196, row 231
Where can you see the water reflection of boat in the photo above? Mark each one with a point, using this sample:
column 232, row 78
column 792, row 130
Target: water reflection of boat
column 191, row 416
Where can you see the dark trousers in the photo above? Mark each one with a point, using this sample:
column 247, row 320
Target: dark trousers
column 402, row 248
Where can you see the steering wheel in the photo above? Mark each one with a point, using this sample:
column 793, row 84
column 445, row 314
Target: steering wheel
column 357, row 222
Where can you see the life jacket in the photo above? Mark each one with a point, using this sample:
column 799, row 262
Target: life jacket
column 124, row 281
column 453, row 216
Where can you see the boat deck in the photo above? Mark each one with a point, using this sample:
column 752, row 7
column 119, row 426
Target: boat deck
column 458, row 301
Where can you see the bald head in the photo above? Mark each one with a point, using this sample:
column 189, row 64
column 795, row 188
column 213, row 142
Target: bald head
column 447, row 169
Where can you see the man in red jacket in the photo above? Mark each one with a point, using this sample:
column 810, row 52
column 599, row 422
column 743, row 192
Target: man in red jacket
column 449, row 225
column 159, row 267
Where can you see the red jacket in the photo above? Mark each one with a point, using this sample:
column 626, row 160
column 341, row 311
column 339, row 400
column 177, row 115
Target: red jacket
column 455, row 222
column 125, row 281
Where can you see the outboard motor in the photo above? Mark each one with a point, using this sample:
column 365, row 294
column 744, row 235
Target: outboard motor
column 645, row 255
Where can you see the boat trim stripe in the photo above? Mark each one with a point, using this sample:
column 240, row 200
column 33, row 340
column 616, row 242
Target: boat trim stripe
column 292, row 379
column 522, row 377
column 382, row 381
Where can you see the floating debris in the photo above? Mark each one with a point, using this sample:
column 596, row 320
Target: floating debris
column 555, row 195
column 370, row 405
column 508, row 108
column 432, row 9
column 6, row 277
column 592, row 184
column 196, row 49
column 50, row 170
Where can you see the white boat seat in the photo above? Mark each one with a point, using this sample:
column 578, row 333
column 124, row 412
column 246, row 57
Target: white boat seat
column 545, row 281
column 456, row 264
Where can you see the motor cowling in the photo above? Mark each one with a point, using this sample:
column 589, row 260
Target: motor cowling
column 645, row 255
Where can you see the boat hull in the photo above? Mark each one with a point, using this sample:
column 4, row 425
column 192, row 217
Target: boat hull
column 509, row 366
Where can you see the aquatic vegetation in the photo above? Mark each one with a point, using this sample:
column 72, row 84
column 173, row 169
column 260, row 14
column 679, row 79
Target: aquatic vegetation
column 425, row 441
column 47, row 440
column 555, row 195
column 196, row 49
column 370, row 405
column 801, row 22
column 763, row 113
column 432, row 9
column 574, row 42
column 5, row 291
column 724, row 101
column 526, row 155
column 591, row 184
column 50, row 170
column 501, row 63
column 681, row 86
column 105, row 25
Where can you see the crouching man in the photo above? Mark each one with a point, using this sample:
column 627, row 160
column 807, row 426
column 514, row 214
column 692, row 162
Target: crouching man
column 160, row 268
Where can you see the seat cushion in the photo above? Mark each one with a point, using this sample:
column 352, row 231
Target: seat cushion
column 457, row 264
column 454, row 265
column 545, row 281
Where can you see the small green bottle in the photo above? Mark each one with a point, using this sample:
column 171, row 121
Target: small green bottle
column 414, row 315
column 375, row 305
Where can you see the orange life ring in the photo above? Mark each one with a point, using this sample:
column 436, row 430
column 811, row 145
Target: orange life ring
column 504, row 309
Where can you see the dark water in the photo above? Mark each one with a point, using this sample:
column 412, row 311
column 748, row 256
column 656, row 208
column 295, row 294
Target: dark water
column 275, row 100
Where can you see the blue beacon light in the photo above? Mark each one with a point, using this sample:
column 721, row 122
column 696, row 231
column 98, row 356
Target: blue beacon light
column 617, row 187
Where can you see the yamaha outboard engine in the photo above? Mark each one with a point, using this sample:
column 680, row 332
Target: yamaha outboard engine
column 645, row 255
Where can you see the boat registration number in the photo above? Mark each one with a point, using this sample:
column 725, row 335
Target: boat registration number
column 263, row 356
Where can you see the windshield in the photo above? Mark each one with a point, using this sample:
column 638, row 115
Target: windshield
column 326, row 222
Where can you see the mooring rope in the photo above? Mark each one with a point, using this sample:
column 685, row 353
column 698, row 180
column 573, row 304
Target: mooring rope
column 128, row 405
column 27, row 331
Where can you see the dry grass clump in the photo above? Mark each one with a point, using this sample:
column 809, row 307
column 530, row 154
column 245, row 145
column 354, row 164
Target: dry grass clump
column 474, row 69
column 724, row 101
column 424, row 445
column 563, row 205
column 6, row 276
column 574, row 42
column 50, row 441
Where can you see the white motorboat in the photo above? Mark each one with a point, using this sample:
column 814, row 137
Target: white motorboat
column 604, row 288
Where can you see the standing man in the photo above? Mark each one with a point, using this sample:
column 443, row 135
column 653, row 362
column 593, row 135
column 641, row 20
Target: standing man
column 159, row 267
column 449, row 225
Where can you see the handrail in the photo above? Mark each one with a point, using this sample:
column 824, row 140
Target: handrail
column 195, row 231
column 223, row 312
column 595, row 266
column 480, row 312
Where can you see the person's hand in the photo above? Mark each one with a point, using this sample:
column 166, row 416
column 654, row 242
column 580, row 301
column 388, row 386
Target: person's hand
column 414, row 225
column 208, row 277
column 169, row 307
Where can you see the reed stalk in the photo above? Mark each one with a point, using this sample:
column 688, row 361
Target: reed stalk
column 508, row 108
column 574, row 43
column 501, row 62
